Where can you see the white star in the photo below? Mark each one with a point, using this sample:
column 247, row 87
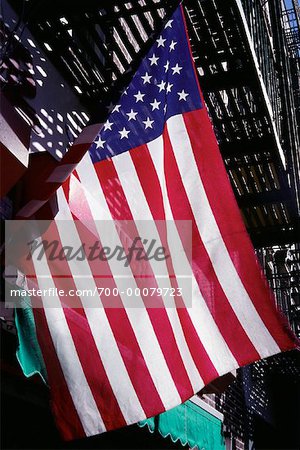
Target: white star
column 148, row 123
column 172, row 45
column 146, row 78
column 116, row 108
column 169, row 87
column 153, row 60
column 139, row 97
column 160, row 42
column 182, row 95
column 124, row 133
column 176, row 69
column 161, row 86
column 100, row 143
column 155, row 104
column 131, row 115
column 166, row 66
column 108, row 125
column 169, row 24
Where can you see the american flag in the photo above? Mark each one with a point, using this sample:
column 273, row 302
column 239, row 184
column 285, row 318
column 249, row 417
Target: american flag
column 155, row 159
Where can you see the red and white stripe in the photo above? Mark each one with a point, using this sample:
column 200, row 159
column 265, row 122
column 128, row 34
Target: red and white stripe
column 116, row 366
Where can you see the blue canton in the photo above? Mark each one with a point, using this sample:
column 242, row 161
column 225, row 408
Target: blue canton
column 163, row 86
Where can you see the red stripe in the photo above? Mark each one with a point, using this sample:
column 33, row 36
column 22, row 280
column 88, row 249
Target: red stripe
column 230, row 223
column 83, row 339
column 216, row 300
column 146, row 171
column 158, row 316
column 147, row 175
column 117, row 317
column 62, row 404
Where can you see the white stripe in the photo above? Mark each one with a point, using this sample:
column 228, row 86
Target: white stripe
column 137, row 314
column 202, row 320
column 96, row 316
column 212, row 239
column 147, row 229
column 66, row 352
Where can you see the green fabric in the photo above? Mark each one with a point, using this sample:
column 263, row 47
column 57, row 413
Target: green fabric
column 190, row 424
column 28, row 353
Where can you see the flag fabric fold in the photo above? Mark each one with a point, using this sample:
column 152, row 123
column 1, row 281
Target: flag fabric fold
column 155, row 159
